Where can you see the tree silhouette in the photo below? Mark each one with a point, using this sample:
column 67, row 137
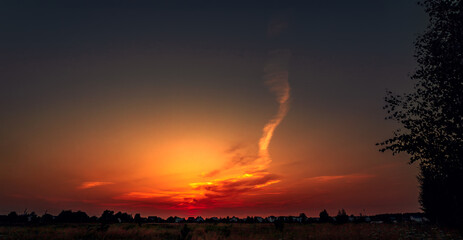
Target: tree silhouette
column 72, row 217
column 47, row 218
column 342, row 216
column 431, row 117
column 303, row 217
column 123, row 217
column 12, row 217
column 324, row 217
column 137, row 219
column 108, row 217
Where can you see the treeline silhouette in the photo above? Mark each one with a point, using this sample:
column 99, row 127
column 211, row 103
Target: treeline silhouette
column 109, row 217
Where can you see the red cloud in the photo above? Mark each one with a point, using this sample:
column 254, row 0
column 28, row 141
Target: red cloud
column 213, row 194
column 86, row 185
column 341, row 177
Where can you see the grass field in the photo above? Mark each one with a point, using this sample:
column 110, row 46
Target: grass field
column 228, row 231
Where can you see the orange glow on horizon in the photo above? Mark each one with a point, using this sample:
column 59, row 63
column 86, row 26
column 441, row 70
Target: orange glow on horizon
column 254, row 174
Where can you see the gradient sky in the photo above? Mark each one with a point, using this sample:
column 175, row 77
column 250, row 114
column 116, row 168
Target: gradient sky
column 160, row 108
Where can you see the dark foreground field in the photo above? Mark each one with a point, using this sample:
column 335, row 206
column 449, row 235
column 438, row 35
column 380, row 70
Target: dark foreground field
column 228, row 231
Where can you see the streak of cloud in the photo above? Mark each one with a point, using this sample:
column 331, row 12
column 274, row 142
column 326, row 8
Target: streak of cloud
column 350, row 177
column 276, row 77
column 87, row 185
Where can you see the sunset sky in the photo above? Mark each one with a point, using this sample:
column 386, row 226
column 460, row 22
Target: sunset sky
column 204, row 108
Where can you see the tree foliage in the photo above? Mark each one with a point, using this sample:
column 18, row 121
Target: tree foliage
column 431, row 117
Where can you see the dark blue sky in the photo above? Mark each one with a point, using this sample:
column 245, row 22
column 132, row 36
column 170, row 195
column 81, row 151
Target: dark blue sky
column 340, row 49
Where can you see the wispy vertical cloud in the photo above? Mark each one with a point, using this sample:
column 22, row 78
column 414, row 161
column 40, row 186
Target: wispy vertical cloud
column 276, row 77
